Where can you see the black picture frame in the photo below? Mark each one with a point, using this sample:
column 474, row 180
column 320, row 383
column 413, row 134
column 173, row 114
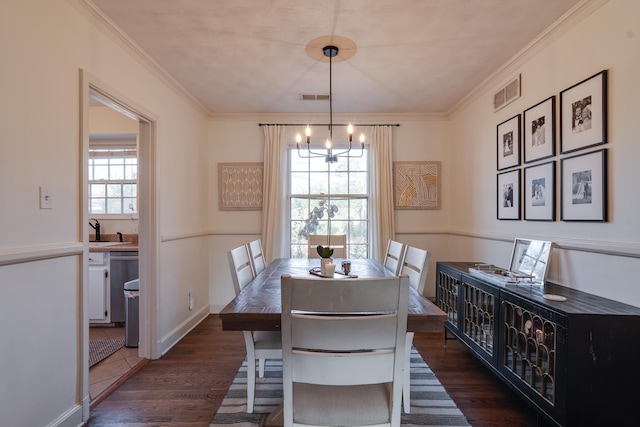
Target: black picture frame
column 539, row 191
column 508, row 195
column 583, row 114
column 508, row 143
column 539, row 130
column 584, row 187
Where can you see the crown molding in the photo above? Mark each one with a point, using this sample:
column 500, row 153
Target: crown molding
column 305, row 118
column 102, row 22
column 566, row 22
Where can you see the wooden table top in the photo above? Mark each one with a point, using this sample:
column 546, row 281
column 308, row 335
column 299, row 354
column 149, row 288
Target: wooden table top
column 257, row 307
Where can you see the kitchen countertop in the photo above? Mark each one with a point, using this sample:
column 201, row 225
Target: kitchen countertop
column 111, row 243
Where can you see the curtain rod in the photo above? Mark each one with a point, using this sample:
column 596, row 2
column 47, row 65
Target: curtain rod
column 327, row 124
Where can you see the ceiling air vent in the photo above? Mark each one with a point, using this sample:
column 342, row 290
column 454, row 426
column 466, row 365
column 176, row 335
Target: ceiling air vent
column 507, row 94
column 307, row 97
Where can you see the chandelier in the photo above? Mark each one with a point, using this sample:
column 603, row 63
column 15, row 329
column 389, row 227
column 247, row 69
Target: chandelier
column 330, row 156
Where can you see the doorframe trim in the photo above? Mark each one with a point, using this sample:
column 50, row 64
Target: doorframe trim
column 147, row 228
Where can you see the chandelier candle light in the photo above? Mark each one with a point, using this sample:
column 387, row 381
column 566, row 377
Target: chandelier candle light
column 330, row 156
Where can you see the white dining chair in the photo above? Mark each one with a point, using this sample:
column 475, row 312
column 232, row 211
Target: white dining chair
column 394, row 258
column 415, row 265
column 257, row 256
column 340, row 367
column 260, row 345
column 338, row 243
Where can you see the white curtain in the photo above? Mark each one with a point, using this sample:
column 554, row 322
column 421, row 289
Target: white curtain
column 274, row 193
column 381, row 190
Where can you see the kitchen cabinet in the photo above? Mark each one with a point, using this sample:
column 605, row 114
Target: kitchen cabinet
column 99, row 288
column 574, row 359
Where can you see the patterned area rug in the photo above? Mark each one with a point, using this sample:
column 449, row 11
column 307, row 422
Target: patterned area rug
column 430, row 402
column 101, row 349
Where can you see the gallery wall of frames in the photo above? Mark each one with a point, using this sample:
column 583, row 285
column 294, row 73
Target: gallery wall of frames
column 528, row 179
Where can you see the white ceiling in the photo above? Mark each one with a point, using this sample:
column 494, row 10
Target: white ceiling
column 410, row 56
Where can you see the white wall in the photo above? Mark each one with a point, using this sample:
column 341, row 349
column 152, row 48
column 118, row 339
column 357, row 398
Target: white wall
column 600, row 258
column 45, row 43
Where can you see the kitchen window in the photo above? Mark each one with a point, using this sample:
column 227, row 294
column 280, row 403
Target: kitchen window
column 113, row 186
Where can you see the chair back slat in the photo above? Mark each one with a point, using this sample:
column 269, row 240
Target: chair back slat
column 338, row 243
column 257, row 256
column 394, row 257
column 240, row 266
column 416, row 265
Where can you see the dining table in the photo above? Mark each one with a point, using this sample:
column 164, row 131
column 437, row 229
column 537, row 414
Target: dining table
column 258, row 305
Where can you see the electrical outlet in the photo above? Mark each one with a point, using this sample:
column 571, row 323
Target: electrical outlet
column 45, row 198
column 191, row 300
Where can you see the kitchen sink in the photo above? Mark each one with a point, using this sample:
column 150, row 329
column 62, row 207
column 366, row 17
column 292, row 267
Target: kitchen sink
column 104, row 244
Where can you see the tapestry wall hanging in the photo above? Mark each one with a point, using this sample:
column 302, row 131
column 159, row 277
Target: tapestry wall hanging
column 416, row 185
column 240, row 186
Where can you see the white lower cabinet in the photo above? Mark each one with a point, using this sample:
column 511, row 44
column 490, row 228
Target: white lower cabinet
column 99, row 288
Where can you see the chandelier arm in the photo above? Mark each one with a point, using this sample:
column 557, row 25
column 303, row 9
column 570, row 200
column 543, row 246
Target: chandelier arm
column 312, row 154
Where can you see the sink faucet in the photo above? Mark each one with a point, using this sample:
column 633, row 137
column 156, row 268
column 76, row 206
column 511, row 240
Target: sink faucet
column 119, row 235
column 96, row 227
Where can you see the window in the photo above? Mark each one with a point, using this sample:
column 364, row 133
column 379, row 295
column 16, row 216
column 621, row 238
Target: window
column 113, row 187
column 344, row 184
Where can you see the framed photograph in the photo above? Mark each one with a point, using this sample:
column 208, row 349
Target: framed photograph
column 509, row 195
column 417, row 185
column 240, row 186
column 583, row 114
column 584, row 187
column 540, row 192
column 539, row 130
column 508, row 143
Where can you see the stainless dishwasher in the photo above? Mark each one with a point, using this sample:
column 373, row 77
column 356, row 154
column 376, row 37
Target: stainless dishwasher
column 123, row 268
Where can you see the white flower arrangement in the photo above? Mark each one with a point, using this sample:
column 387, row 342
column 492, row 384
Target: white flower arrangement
column 311, row 225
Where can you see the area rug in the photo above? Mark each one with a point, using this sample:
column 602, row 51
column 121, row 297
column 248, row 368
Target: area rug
column 430, row 402
column 101, row 349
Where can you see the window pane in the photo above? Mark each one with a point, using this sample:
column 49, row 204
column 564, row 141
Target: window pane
column 116, row 172
column 101, row 173
column 114, row 190
column 360, row 163
column 318, row 183
column 130, row 205
column 318, row 163
column 114, row 206
column 97, row 206
column 297, row 162
column 131, row 172
column 299, row 183
column 339, row 183
column 358, row 183
column 358, row 209
column 97, row 190
column 129, row 190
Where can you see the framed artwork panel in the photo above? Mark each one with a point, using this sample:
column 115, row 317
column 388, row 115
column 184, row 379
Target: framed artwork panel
column 240, row 186
column 583, row 114
column 417, row 185
column 508, row 143
column 539, row 130
column 540, row 192
column 584, row 187
column 508, row 195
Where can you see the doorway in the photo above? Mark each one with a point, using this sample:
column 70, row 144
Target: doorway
column 96, row 92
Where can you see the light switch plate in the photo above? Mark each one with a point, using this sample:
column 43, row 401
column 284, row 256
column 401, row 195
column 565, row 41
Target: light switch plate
column 45, row 198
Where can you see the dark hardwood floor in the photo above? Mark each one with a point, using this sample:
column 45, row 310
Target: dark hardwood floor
column 185, row 387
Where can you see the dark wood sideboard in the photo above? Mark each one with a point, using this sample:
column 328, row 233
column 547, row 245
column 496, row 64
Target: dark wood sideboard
column 577, row 362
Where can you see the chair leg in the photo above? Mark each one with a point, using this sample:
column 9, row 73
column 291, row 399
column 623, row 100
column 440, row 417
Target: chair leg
column 251, row 382
column 261, row 367
column 406, row 380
